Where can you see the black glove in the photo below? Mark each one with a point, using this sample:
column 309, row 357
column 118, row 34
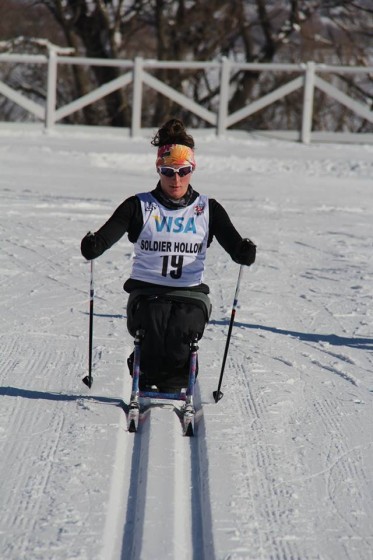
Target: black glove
column 90, row 246
column 245, row 253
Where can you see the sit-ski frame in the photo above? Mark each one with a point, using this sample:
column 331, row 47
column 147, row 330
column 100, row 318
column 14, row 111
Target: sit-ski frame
column 187, row 411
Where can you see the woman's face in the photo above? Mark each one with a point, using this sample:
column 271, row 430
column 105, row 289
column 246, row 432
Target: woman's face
column 174, row 187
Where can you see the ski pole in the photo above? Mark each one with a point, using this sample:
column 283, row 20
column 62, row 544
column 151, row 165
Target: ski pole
column 88, row 378
column 218, row 394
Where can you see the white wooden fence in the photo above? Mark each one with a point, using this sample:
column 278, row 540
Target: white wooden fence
column 136, row 75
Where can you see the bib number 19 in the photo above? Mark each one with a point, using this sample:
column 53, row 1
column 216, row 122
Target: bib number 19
column 173, row 266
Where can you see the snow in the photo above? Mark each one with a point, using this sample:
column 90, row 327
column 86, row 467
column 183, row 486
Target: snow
column 281, row 467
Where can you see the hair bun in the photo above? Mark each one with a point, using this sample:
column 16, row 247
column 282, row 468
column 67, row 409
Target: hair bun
column 173, row 132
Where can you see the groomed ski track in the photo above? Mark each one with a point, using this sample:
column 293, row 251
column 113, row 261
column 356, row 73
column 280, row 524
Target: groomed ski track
column 281, row 468
column 165, row 475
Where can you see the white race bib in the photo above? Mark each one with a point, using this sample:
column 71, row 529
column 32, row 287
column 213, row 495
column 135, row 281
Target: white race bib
column 171, row 248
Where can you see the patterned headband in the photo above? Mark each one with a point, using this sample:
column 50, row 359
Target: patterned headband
column 175, row 154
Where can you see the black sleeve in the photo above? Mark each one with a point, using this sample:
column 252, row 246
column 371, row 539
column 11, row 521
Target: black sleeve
column 221, row 227
column 126, row 218
column 241, row 250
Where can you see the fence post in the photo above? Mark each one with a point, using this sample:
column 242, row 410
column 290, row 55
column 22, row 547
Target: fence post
column 51, row 88
column 137, row 97
column 224, row 95
column 309, row 86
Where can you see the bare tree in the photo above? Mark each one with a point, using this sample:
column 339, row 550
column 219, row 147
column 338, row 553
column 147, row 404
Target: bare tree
column 297, row 31
column 243, row 30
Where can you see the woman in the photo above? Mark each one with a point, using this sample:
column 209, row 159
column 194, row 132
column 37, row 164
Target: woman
column 171, row 228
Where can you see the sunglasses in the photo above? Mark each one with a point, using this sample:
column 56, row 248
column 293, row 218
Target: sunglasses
column 171, row 172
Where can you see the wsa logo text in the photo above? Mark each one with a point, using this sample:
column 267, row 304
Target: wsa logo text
column 175, row 225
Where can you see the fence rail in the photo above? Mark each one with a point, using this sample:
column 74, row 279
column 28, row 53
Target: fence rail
column 137, row 75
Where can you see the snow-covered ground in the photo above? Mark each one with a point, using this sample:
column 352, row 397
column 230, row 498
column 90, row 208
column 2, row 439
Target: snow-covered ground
column 282, row 467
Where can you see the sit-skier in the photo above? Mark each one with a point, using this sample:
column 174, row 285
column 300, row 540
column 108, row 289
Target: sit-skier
column 171, row 227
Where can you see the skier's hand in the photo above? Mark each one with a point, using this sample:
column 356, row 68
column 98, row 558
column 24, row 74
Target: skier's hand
column 90, row 246
column 245, row 253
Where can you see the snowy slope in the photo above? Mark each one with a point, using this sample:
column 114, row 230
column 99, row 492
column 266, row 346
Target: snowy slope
column 288, row 473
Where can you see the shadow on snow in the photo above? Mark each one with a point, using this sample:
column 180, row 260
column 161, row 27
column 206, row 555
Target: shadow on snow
column 332, row 339
column 106, row 315
column 39, row 395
